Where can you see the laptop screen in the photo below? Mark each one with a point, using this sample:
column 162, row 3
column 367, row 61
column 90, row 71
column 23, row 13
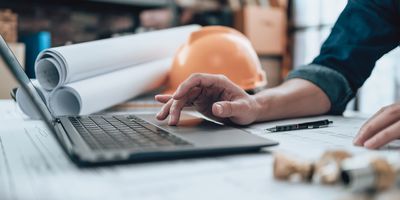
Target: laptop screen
column 25, row 84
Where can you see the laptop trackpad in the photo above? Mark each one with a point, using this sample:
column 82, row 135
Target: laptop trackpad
column 201, row 131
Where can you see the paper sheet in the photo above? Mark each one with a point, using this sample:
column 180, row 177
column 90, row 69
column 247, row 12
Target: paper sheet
column 58, row 66
column 9, row 110
column 32, row 166
column 311, row 143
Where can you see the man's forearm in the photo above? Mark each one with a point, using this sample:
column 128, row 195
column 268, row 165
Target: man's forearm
column 294, row 98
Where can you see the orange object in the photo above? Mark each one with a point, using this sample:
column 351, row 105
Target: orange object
column 217, row 50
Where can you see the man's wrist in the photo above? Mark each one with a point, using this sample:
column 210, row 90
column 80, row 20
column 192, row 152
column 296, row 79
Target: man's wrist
column 293, row 98
column 263, row 106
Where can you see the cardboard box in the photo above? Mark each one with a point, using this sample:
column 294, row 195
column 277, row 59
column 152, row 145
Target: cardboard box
column 8, row 25
column 7, row 81
column 266, row 28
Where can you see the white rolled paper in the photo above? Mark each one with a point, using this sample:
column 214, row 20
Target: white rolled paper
column 97, row 93
column 59, row 66
column 94, row 94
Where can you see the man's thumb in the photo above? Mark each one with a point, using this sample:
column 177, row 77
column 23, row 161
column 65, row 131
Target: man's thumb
column 225, row 109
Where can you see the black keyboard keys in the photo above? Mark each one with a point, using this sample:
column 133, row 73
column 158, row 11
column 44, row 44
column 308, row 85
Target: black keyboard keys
column 122, row 132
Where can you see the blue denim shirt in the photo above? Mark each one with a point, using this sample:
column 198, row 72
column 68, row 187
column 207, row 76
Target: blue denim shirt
column 364, row 32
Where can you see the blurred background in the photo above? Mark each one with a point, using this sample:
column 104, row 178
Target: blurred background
column 285, row 33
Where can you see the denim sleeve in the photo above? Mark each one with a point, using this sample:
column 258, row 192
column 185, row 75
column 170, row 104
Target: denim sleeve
column 333, row 83
column 364, row 32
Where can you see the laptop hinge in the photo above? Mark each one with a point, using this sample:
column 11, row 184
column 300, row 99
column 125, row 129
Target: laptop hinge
column 57, row 120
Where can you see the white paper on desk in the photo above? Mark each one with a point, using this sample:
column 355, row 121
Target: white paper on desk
column 100, row 92
column 59, row 66
column 33, row 166
column 311, row 143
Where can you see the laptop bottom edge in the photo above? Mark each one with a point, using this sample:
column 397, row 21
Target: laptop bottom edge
column 166, row 156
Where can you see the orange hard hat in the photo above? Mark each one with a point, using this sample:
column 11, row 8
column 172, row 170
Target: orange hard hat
column 217, row 50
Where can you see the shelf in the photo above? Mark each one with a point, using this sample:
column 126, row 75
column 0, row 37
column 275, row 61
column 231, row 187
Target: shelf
column 136, row 2
column 88, row 4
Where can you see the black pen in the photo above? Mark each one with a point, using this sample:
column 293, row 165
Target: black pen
column 307, row 125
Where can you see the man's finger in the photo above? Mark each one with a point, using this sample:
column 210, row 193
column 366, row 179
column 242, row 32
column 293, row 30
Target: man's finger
column 193, row 81
column 164, row 110
column 163, row 98
column 175, row 111
column 359, row 137
column 386, row 117
column 193, row 95
column 383, row 137
column 225, row 109
column 200, row 80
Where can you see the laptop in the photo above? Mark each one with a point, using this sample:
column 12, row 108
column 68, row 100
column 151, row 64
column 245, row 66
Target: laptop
column 110, row 139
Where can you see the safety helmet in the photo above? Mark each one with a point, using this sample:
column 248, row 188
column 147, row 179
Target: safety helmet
column 217, row 50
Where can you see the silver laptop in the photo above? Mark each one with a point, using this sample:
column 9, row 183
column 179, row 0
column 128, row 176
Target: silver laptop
column 110, row 139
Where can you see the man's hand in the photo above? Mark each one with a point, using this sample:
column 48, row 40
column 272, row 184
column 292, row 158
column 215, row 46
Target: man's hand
column 214, row 96
column 381, row 128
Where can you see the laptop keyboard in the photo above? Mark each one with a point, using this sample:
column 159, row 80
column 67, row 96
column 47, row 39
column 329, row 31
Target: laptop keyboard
column 122, row 132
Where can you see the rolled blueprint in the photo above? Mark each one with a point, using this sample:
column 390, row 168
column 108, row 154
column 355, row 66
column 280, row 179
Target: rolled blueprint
column 97, row 93
column 59, row 66
column 100, row 92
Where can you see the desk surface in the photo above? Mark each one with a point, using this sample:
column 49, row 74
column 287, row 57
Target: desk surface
column 32, row 166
